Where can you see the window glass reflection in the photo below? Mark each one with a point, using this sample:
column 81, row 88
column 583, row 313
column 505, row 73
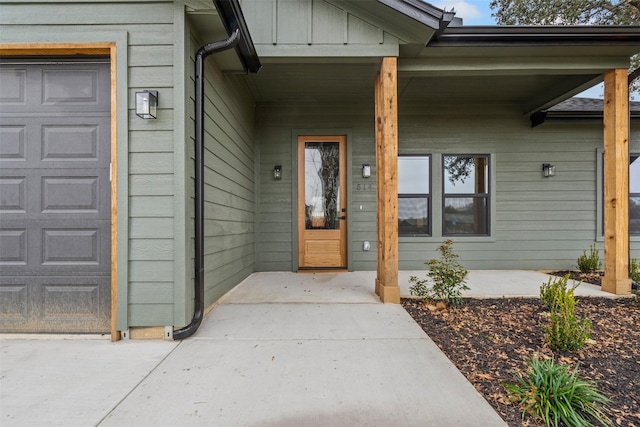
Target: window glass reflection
column 466, row 174
column 322, row 185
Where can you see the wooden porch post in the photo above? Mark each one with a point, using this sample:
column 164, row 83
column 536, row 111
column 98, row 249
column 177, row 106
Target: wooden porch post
column 616, row 183
column 386, row 98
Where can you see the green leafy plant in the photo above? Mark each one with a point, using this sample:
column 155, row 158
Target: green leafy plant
column 552, row 393
column 555, row 289
column 634, row 270
column 591, row 262
column 565, row 330
column 447, row 276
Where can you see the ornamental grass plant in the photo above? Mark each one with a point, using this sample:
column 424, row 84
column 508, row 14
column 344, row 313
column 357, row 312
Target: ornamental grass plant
column 554, row 394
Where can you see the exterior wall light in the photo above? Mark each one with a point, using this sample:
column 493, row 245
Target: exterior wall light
column 366, row 170
column 548, row 170
column 147, row 104
column 277, row 172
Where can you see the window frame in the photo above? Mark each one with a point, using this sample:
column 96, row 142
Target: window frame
column 487, row 195
column 428, row 196
column 637, row 195
column 633, row 237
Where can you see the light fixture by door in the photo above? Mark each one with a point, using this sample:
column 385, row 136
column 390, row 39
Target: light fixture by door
column 366, row 170
column 147, row 104
column 548, row 170
column 277, row 172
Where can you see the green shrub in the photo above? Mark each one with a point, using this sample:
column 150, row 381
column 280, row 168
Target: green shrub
column 591, row 262
column 634, row 270
column 555, row 289
column 552, row 393
column 565, row 330
column 447, row 276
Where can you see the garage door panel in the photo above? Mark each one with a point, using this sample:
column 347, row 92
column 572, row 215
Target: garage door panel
column 13, row 301
column 60, row 142
column 13, row 85
column 57, row 88
column 55, row 304
column 71, row 86
column 55, row 197
column 73, row 246
column 13, row 247
column 55, row 194
column 13, row 194
column 12, row 143
column 70, row 194
column 70, row 142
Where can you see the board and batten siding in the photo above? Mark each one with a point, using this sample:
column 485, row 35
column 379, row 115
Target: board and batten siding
column 145, row 147
column 229, row 173
column 538, row 223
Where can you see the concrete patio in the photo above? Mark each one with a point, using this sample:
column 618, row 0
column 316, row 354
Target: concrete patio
column 281, row 349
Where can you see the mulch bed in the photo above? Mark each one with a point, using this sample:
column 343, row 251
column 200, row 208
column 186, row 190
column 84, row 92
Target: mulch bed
column 489, row 340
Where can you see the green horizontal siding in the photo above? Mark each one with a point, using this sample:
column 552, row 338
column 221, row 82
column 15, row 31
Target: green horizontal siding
column 230, row 186
column 539, row 223
column 149, row 29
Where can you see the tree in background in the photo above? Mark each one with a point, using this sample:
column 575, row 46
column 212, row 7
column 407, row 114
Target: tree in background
column 572, row 12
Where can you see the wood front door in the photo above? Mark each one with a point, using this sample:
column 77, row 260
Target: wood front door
column 322, row 197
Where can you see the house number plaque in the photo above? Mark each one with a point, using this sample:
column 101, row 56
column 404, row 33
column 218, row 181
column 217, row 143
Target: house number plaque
column 365, row 187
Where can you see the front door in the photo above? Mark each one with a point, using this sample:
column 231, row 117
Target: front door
column 322, row 196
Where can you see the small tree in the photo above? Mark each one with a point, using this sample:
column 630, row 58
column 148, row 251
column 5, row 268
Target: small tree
column 447, row 276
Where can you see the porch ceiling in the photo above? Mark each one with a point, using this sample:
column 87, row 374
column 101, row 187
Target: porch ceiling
column 348, row 83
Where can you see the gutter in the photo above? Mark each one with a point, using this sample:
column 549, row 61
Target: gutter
column 539, row 35
column 572, row 116
column 239, row 38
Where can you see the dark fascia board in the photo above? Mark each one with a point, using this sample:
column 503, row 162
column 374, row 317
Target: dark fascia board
column 423, row 12
column 539, row 35
column 577, row 115
column 233, row 18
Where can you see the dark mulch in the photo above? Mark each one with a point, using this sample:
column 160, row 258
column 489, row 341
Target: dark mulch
column 491, row 339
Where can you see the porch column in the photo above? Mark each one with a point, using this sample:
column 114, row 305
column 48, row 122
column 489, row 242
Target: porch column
column 386, row 94
column 616, row 183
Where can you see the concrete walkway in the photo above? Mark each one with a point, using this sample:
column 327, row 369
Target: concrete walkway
column 281, row 349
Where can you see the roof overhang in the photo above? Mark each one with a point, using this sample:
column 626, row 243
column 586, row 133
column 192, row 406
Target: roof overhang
column 218, row 19
column 233, row 19
column 541, row 65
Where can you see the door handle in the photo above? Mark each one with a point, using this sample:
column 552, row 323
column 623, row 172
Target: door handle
column 343, row 217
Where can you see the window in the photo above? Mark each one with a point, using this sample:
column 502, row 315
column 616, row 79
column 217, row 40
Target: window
column 634, row 193
column 465, row 195
column 414, row 195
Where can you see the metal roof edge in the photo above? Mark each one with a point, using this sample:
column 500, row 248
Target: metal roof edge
column 582, row 34
column 233, row 18
column 421, row 11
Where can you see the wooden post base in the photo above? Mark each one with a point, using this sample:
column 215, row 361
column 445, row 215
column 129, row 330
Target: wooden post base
column 618, row 287
column 389, row 294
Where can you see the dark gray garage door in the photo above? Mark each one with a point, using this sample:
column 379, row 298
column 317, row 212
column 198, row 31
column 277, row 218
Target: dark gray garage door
column 55, row 203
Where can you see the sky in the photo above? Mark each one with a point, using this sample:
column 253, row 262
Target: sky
column 478, row 12
column 473, row 12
